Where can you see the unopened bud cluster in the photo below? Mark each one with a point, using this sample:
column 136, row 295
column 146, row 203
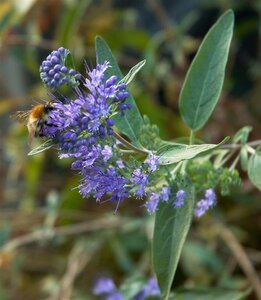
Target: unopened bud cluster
column 54, row 72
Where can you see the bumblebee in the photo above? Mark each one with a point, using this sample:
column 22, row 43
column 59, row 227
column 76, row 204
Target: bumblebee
column 34, row 119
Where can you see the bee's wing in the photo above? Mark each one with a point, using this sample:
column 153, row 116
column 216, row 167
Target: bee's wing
column 21, row 116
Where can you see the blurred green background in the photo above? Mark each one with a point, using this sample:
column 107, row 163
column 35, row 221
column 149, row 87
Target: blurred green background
column 54, row 244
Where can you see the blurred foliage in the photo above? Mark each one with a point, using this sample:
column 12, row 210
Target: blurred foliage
column 54, row 244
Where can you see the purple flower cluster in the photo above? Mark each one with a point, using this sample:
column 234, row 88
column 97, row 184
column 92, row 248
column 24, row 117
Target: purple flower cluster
column 205, row 204
column 83, row 129
column 164, row 196
column 105, row 286
column 54, row 72
column 88, row 115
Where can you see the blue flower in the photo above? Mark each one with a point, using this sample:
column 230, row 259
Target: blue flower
column 201, row 208
column 153, row 162
column 104, row 285
column 107, row 152
column 205, row 204
column 120, row 163
column 211, row 197
column 180, row 198
column 152, row 203
column 141, row 180
column 164, row 194
column 150, row 289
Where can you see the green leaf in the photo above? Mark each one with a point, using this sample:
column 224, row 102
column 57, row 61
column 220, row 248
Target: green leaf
column 46, row 145
column 131, row 123
column 242, row 135
column 204, row 80
column 209, row 294
column 172, row 153
column 132, row 73
column 254, row 168
column 69, row 63
column 170, row 231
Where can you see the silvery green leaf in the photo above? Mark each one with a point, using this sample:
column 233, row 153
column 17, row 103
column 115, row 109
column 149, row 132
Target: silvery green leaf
column 131, row 123
column 204, row 79
column 133, row 71
column 46, row 145
column 174, row 152
column 242, row 135
column 170, row 232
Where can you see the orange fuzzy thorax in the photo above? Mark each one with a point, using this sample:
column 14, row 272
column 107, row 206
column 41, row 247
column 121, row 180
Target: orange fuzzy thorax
column 37, row 112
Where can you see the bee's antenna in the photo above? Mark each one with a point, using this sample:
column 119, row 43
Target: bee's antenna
column 39, row 101
column 35, row 102
column 45, row 101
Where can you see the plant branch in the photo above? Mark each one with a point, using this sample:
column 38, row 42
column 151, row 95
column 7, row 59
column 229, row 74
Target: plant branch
column 237, row 146
column 129, row 145
column 192, row 137
column 78, row 258
column 45, row 234
column 239, row 253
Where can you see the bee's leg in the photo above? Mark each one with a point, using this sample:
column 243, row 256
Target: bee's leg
column 32, row 132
